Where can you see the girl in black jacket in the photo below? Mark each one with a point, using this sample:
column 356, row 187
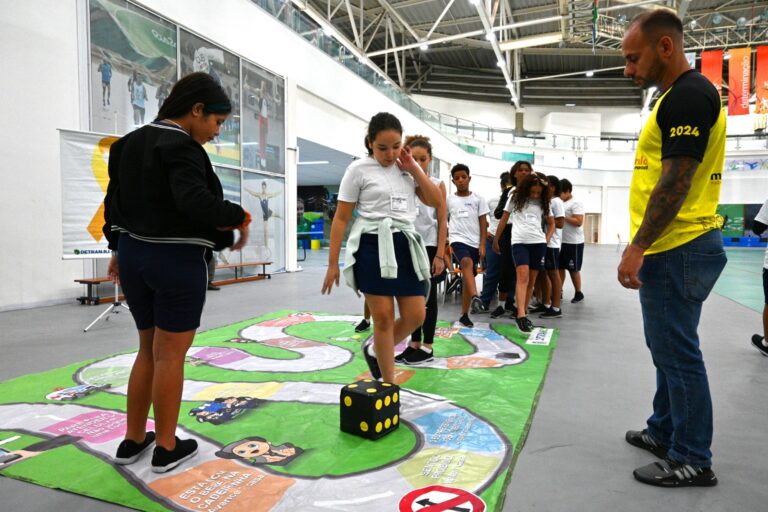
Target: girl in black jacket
column 164, row 207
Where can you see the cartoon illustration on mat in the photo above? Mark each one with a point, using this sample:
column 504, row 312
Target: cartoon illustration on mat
column 75, row 392
column 257, row 451
column 222, row 410
column 282, row 381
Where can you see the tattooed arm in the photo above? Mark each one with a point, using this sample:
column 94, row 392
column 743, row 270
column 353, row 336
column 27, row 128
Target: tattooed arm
column 665, row 202
column 666, row 199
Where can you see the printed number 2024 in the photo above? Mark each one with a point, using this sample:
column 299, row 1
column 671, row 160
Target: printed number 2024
column 677, row 131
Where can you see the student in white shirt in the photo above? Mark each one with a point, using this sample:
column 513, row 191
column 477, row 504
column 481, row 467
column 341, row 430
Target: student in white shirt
column 383, row 186
column 572, row 248
column 553, row 285
column 431, row 224
column 758, row 227
column 467, row 229
column 528, row 205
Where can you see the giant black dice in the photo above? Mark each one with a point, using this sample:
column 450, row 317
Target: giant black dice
column 369, row 408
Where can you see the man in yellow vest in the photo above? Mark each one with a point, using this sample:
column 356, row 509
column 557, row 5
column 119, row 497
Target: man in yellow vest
column 676, row 253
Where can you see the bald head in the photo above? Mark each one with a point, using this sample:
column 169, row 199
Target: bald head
column 659, row 23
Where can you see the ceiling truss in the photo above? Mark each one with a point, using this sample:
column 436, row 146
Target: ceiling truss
column 416, row 42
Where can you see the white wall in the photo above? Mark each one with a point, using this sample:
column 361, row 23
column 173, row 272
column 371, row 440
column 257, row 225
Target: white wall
column 40, row 93
column 496, row 115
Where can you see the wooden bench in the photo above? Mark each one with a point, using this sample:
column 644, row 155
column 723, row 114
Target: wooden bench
column 238, row 268
column 92, row 291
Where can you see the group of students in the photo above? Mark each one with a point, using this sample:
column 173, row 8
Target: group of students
column 397, row 250
column 534, row 236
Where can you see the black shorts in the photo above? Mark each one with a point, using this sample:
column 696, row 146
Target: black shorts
column 367, row 269
column 765, row 285
column 164, row 284
column 462, row 251
column 552, row 258
column 571, row 256
column 531, row 255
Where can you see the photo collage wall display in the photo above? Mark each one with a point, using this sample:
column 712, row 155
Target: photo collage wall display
column 133, row 67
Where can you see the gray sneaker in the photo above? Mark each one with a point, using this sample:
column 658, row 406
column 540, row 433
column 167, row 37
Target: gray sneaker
column 476, row 306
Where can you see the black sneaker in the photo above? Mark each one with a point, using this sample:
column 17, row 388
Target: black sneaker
column 498, row 312
column 577, row 298
column 418, row 356
column 524, row 324
column 538, row 308
column 670, row 473
column 402, row 355
column 373, row 365
column 477, row 306
column 212, row 287
column 552, row 313
column 165, row 460
column 512, row 313
column 465, row 321
column 757, row 341
column 642, row 439
column 129, row 451
column 364, row 325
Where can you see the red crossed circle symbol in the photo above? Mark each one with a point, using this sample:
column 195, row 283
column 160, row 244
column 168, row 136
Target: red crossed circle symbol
column 462, row 501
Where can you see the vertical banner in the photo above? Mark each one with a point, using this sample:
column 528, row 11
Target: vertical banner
column 739, row 75
column 712, row 67
column 761, row 80
column 84, row 180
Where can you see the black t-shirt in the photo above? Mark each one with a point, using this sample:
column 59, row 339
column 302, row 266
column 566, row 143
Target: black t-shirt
column 686, row 115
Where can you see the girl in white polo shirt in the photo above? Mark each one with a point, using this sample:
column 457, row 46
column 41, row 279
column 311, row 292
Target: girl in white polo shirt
column 528, row 205
column 385, row 256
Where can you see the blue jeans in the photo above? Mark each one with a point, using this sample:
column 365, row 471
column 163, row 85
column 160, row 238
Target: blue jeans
column 675, row 284
column 490, row 273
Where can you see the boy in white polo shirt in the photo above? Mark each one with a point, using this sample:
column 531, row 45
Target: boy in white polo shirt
column 572, row 247
column 758, row 227
column 467, row 231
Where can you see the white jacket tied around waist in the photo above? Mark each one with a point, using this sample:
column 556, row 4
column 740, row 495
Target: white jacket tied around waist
column 384, row 229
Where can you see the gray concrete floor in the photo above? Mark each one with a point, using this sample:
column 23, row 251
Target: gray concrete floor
column 600, row 384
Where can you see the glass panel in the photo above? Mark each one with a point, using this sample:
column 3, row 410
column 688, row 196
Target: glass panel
column 230, row 183
column 133, row 65
column 197, row 54
column 263, row 120
column 264, row 198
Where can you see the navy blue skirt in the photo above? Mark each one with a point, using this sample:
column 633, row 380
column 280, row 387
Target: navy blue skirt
column 367, row 268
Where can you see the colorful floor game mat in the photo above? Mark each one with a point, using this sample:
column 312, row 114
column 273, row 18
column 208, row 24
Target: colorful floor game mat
column 262, row 399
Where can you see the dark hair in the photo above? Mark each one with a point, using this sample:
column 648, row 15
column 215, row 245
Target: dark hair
column 505, row 178
column 192, row 89
column 381, row 122
column 227, row 452
column 419, row 141
column 522, row 193
column 459, row 167
column 658, row 23
column 516, row 167
column 565, row 186
column 554, row 182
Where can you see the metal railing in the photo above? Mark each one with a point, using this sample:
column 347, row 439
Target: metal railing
column 470, row 135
